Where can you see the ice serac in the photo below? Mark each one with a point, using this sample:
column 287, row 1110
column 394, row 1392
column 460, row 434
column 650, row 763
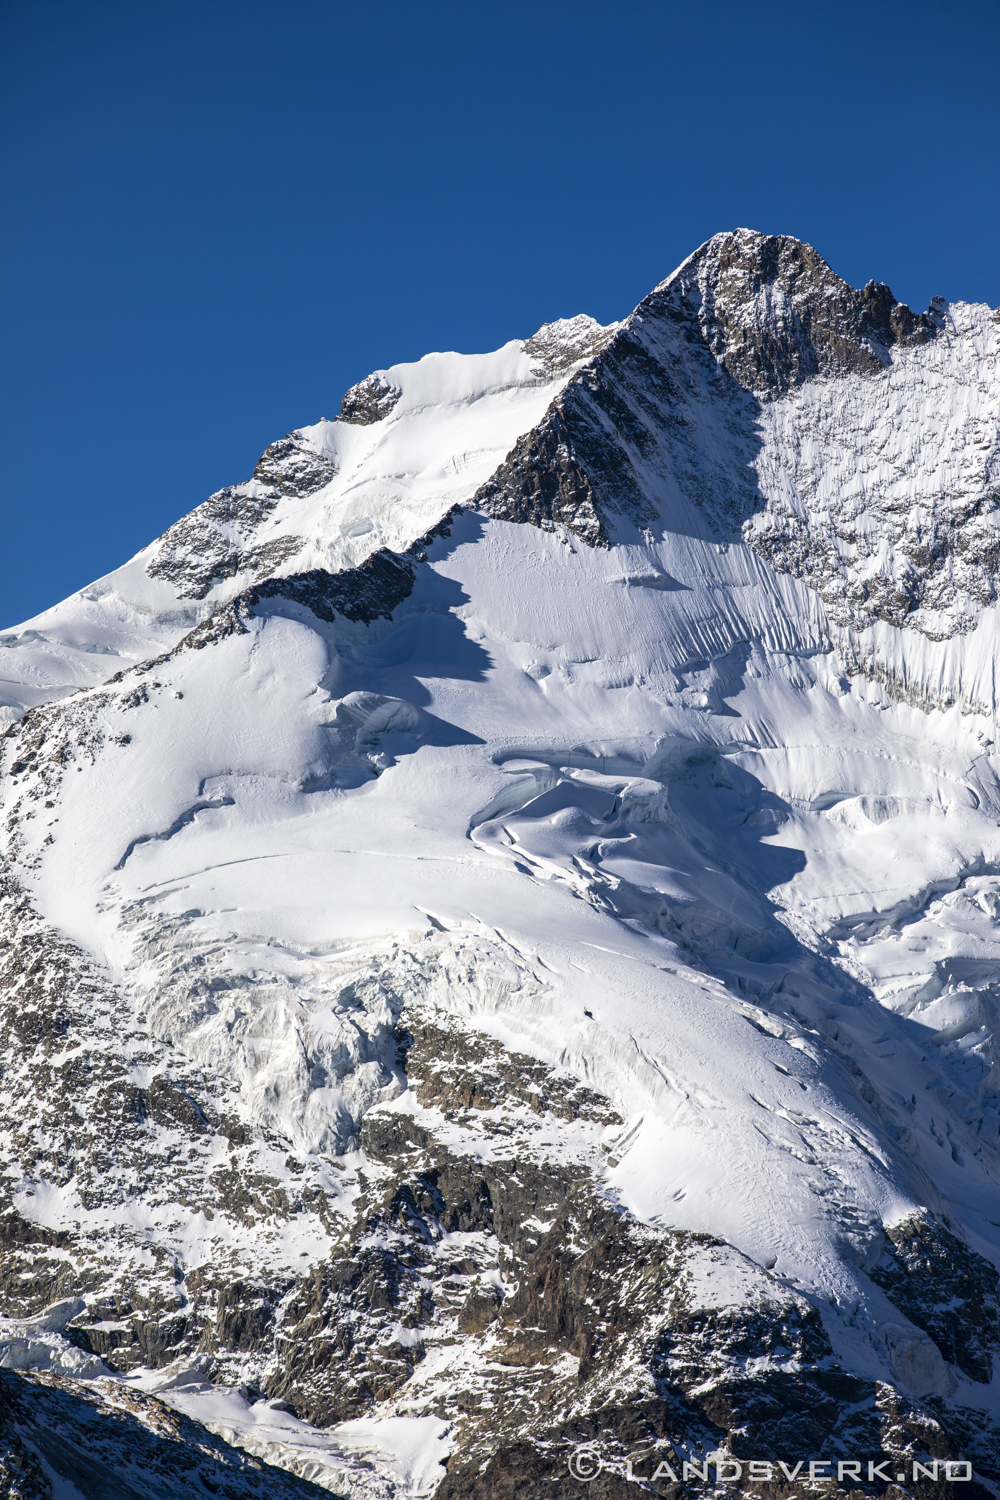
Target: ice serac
column 500, row 928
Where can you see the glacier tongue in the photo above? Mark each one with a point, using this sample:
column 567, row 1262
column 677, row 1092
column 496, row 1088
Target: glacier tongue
column 501, row 914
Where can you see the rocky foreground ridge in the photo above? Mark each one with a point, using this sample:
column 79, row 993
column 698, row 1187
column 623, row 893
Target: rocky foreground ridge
column 498, row 932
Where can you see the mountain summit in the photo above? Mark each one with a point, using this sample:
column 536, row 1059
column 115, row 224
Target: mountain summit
column 500, row 930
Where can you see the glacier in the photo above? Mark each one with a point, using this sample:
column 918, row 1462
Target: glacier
column 500, row 920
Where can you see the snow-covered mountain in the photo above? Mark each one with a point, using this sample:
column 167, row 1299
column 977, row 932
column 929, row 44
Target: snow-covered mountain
column 500, row 928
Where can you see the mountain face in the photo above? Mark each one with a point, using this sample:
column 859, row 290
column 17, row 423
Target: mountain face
column 501, row 929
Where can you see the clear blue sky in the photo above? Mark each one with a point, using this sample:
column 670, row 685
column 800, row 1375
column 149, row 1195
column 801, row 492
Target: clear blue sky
column 221, row 213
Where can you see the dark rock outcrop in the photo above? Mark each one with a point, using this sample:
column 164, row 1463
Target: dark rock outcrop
column 369, row 401
column 215, row 541
column 292, row 468
column 657, row 1372
column 368, row 592
column 123, row 1445
column 558, row 346
column 774, row 314
column 946, row 1289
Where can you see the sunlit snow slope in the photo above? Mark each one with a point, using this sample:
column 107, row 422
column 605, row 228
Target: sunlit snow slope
column 623, row 701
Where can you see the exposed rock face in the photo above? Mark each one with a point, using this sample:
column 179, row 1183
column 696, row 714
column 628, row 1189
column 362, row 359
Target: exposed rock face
column 107, row 1141
column 211, row 543
column 630, row 418
column 560, row 345
column 292, row 468
column 369, row 592
column 947, row 1290
column 115, row 1444
column 369, row 401
column 656, row 1370
column 774, row 315
column 216, row 540
column 544, row 482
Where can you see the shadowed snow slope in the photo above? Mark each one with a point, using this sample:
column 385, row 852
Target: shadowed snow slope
column 501, row 915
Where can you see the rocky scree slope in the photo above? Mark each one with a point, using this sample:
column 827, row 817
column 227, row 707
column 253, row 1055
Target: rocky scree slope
column 506, row 960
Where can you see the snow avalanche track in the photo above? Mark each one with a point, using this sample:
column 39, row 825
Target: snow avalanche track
column 638, row 787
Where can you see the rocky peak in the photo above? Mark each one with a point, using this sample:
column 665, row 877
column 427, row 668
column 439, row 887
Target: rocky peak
column 775, row 315
column 751, row 389
column 767, row 309
column 369, row 401
column 560, row 345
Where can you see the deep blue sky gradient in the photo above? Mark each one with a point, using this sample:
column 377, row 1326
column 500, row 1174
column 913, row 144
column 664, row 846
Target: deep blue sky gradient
column 222, row 213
